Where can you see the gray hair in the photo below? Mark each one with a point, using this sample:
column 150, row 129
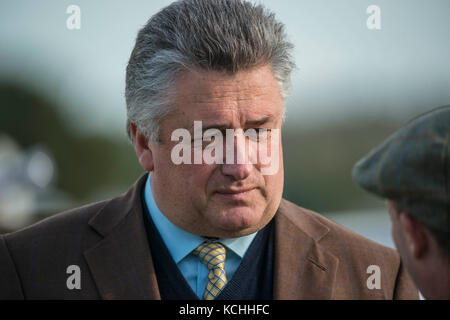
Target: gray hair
column 219, row 35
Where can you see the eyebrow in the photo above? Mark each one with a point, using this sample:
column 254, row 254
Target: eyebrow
column 222, row 126
column 259, row 122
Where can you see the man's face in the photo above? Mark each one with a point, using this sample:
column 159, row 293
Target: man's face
column 220, row 200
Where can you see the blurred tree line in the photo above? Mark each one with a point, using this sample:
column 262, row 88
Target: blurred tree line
column 91, row 167
column 87, row 164
column 318, row 163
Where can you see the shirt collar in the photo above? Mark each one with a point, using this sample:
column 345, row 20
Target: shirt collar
column 181, row 243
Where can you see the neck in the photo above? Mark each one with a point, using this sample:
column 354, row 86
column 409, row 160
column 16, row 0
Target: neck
column 437, row 285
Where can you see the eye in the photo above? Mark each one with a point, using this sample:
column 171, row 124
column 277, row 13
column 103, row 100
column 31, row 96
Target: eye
column 198, row 143
column 210, row 137
column 262, row 130
column 262, row 134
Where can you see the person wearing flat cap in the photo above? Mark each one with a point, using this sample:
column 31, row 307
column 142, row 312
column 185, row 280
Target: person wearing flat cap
column 411, row 170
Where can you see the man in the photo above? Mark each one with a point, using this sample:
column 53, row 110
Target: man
column 411, row 169
column 195, row 228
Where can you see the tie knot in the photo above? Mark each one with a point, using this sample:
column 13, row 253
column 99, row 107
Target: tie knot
column 212, row 254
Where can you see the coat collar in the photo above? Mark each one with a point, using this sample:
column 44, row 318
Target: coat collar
column 122, row 266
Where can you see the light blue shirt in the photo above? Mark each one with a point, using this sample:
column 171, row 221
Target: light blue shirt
column 181, row 243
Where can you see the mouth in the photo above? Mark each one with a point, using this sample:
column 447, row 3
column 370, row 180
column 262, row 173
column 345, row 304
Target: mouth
column 235, row 194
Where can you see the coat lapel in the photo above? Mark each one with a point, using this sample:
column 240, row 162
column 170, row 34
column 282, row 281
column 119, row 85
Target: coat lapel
column 121, row 263
column 303, row 269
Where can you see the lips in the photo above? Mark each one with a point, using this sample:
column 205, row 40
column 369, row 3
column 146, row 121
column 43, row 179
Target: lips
column 235, row 194
column 235, row 191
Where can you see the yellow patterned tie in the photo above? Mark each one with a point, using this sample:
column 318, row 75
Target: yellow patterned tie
column 212, row 254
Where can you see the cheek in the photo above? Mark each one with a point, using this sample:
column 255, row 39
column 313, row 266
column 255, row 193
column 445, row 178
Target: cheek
column 275, row 181
column 197, row 176
column 192, row 180
column 273, row 190
column 396, row 236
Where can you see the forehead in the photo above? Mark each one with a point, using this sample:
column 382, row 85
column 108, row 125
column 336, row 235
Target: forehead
column 238, row 98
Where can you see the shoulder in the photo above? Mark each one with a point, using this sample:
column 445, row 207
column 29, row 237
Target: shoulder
column 357, row 256
column 64, row 224
column 56, row 240
column 331, row 233
column 36, row 257
column 97, row 217
column 71, row 232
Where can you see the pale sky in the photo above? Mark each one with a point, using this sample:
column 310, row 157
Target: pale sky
column 343, row 67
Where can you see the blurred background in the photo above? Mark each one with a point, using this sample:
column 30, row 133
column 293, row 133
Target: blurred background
column 62, row 108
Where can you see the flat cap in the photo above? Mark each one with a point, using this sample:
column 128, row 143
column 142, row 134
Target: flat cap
column 413, row 166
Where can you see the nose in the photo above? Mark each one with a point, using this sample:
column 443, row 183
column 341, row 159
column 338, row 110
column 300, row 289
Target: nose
column 237, row 171
column 240, row 166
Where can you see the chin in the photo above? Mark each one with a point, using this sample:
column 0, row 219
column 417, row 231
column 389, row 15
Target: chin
column 239, row 221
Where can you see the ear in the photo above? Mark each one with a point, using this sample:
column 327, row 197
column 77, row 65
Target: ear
column 142, row 148
column 416, row 240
